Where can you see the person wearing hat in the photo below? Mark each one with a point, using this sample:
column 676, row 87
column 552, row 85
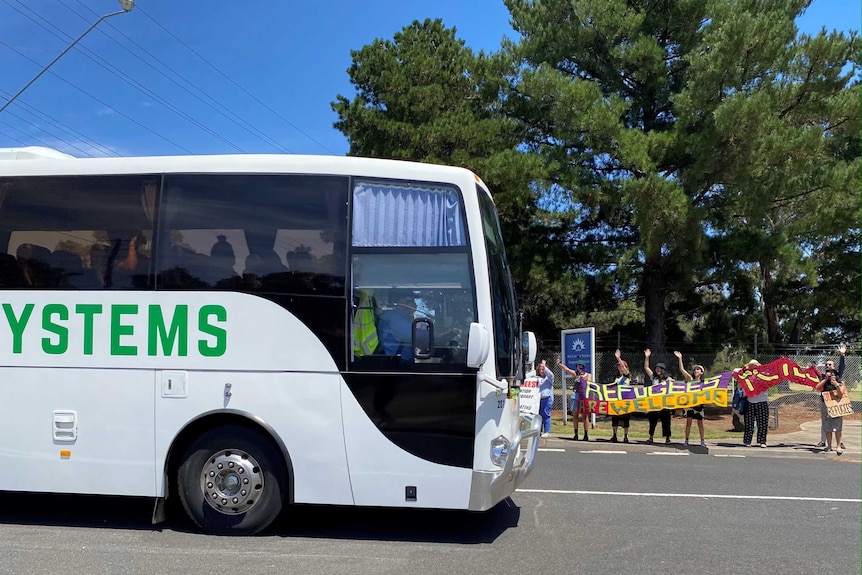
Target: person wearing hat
column 623, row 378
column 756, row 412
column 692, row 413
column 579, row 394
column 663, row 415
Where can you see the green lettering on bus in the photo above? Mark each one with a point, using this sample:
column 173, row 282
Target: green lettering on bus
column 88, row 310
column 179, row 331
column 61, row 331
column 220, row 346
column 17, row 325
column 118, row 329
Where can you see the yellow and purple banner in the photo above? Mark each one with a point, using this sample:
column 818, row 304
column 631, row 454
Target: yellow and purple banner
column 612, row 399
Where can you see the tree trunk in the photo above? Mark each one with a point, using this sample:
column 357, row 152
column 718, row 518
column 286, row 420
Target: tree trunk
column 773, row 326
column 654, row 310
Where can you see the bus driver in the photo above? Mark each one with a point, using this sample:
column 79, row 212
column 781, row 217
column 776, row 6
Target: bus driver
column 396, row 326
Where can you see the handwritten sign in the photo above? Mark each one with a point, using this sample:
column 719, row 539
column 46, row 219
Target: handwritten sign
column 529, row 396
column 837, row 407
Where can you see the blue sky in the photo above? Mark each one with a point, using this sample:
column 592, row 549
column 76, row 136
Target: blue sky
column 196, row 77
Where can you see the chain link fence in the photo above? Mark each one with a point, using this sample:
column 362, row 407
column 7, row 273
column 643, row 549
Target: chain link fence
column 782, row 394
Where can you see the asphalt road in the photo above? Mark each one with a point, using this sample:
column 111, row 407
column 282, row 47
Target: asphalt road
column 579, row 512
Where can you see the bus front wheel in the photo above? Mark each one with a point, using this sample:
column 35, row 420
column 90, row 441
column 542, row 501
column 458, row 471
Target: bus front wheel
column 232, row 480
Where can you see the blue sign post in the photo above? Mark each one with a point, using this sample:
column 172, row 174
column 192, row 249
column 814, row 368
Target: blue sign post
column 578, row 346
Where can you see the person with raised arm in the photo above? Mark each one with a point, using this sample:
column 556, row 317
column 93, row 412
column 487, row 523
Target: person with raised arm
column 580, row 395
column 694, row 413
column 660, row 374
column 623, row 378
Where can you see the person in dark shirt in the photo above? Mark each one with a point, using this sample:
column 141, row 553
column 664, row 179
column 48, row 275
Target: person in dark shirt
column 830, row 364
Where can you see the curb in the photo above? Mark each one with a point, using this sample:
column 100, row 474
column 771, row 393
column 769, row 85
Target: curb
column 795, row 444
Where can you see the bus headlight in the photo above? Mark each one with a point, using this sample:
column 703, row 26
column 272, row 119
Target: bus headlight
column 499, row 451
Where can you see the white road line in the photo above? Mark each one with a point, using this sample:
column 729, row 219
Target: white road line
column 729, row 455
column 605, row 451
column 667, row 453
column 548, row 449
column 689, row 495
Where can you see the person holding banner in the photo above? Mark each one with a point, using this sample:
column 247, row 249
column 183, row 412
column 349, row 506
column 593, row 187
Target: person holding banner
column 622, row 379
column 831, row 385
column 546, row 395
column 692, row 413
column 756, row 411
column 662, row 415
column 580, row 395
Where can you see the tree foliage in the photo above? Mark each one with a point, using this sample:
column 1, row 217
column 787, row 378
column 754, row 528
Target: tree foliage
column 703, row 135
column 676, row 170
column 425, row 96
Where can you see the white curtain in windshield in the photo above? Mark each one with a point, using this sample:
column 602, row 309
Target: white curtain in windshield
column 405, row 216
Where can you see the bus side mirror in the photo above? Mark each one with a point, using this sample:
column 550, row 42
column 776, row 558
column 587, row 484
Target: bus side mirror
column 528, row 341
column 478, row 346
column 423, row 338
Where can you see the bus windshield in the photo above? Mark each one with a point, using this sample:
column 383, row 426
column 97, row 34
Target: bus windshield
column 410, row 261
column 506, row 322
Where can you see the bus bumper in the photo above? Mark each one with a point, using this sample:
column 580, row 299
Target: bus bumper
column 489, row 488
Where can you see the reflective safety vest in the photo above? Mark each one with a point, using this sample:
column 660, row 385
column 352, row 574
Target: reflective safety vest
column 365, row 339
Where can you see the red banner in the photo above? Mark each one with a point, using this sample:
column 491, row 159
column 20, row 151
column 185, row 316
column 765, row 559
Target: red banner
column 757, row 379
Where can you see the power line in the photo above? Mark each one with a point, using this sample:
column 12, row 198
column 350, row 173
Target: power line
column 14, row 139
column 229, row 79
column 108, row 106
column 37, row 138
column 33, row 111
column 125, row 77
column 227, row 113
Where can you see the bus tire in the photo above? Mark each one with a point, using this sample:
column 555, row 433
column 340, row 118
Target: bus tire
column 232, row 480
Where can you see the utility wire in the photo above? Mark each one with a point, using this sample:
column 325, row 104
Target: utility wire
column 227, row 113
column 229, row 79
column 125, row 77
column 41, row 140
column 42, row 129
column 105, row 104
column 39, row 115
column 14, row 139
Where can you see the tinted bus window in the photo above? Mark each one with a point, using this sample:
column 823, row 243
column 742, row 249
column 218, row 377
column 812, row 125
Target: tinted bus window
column 82, row 232
column 256, row 233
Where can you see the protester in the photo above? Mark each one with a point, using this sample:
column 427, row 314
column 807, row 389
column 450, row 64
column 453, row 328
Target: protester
column 623, row 378
column 831, row 425
column 660, row 374
column 579, row 395
column 830, row 364
column 546, row 394
column 692, row 413
column 756, row 413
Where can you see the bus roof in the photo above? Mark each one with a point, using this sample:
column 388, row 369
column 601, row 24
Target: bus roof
column 32, row 153
column 59, row 164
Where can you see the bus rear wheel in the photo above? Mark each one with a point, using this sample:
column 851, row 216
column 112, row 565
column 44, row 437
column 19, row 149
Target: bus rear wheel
column 232, row 480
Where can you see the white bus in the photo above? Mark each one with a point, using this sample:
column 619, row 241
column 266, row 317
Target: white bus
column 246, row 332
